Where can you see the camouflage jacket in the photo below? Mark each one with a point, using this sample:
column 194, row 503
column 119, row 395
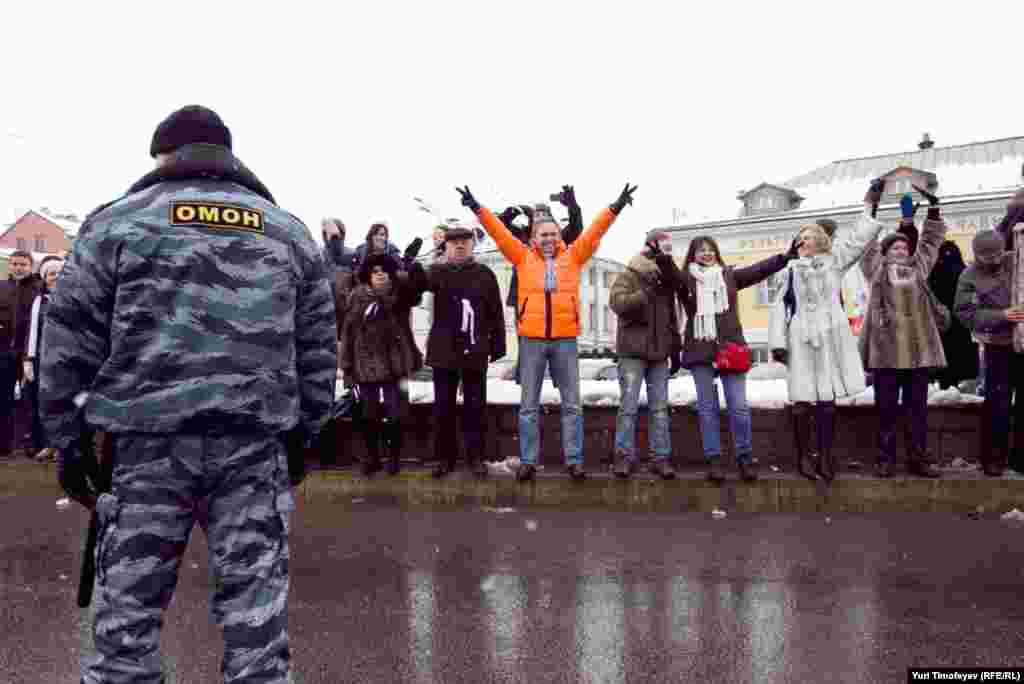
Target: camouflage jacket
column 192, row 304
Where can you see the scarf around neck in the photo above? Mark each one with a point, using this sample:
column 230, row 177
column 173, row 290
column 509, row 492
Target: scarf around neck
column 712, row 299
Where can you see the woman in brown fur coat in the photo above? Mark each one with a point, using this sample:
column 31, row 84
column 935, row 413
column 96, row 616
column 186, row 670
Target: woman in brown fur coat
column 378, row 350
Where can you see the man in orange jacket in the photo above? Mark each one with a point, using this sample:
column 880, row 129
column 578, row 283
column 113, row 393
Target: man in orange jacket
column 547, row 312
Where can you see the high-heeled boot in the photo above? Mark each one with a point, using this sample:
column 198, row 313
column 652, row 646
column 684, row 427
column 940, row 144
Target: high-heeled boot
column 825, row 416
column 801, row 415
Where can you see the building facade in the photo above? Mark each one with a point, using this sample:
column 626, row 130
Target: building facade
column 974, row 183
column 597, row 321
column 38, row 232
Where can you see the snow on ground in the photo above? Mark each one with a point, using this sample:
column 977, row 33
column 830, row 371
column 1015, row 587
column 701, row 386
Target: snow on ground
column 763, row 394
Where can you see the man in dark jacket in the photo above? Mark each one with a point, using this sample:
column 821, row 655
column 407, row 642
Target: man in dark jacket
column 984, row 304
column 648, row 334
column 194, row 325
column 468, row 332
column 16, row 296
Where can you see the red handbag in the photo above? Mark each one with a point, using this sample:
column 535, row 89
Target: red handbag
column 733, row 358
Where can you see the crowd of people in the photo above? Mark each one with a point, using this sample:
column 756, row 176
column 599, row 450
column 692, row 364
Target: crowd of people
column 24, row 298
column 672, row 314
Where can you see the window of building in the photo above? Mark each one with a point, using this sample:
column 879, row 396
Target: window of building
column 22, row 244
column 768, row 290
column 40, row 243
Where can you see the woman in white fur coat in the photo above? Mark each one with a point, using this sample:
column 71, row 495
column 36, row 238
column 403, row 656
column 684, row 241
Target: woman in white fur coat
column 809, row 332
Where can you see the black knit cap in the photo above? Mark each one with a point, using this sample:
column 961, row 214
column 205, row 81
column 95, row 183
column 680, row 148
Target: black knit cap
column 189, row 125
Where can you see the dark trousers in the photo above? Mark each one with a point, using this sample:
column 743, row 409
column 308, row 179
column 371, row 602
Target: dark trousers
column 380, row 400
column 474, row 390
column 1003, row 389
column 912, row 384
column 31, row 394
column 8, row 378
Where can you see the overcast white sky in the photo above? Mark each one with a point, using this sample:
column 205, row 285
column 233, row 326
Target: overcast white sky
column 355, row 109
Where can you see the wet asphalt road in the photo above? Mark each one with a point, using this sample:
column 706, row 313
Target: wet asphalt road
column 381, row 594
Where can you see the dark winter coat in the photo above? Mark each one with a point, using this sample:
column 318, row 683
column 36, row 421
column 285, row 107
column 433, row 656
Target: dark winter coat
column 982, row 297
column 900, row 329
column 702, row 352
column 961, row 351
column 16, row 297
column 380, row 347
column 646, row 306
column 447, row 346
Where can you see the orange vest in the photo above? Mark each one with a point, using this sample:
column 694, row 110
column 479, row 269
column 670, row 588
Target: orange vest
column 540, row 314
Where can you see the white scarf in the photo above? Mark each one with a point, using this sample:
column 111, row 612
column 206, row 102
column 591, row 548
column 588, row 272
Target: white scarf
column 468, row 319
column 712, row 299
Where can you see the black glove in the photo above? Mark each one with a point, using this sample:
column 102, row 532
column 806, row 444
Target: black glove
column 794, row 249
column 73, row 478
column 295, row 446
column 625, row 197
column 780, row 356
column 509, row 215
column 933, row 203
column 874, row 195
column 664, row 261
column 412, row 251
column 334, row 248
column 567, row 198
column 468, row 200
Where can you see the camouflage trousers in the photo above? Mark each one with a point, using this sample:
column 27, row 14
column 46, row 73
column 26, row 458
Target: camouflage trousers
column 236, row 487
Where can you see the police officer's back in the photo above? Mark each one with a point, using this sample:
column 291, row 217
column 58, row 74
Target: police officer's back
column 196, row 315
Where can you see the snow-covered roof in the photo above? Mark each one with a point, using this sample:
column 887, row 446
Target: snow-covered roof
column 70, row 228
column 978, row 167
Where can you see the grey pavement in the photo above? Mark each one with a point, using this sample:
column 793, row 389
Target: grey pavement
column 424, row 595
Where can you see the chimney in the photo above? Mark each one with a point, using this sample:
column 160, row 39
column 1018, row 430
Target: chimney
column 926, row 143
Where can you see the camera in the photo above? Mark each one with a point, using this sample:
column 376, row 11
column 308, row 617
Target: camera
column 555, row 197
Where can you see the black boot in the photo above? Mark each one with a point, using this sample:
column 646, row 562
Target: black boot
column 825, row 416
column 371, row 434
column 801, row 415
column 393, row 444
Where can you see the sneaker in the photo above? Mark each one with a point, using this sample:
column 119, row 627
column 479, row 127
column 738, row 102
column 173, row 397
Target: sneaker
column 576, row 472
column 526, row 472
column 663, row 469
column 716, row 473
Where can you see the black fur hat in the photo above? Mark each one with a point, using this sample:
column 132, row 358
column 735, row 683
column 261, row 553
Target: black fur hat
column 187, row 126
column 385, row 261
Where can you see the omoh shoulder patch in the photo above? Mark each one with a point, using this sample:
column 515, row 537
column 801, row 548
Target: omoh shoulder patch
column 217, row 215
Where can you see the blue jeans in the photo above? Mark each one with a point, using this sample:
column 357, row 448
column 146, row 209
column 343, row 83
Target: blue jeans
column 632, row 374
column 535, row 355
column 735, row 385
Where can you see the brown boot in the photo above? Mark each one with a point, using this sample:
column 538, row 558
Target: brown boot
column 801, row 416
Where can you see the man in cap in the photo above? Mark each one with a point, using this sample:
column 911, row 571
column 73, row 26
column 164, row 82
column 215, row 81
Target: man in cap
column 195, row 316
column 984, row 304
column 466, row 334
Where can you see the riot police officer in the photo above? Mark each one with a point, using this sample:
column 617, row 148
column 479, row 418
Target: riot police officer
column 195, row 316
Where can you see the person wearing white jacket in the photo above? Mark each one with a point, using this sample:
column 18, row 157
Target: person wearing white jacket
column 809, row 332
column 49, row 271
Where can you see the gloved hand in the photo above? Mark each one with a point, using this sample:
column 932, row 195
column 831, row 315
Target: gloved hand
column 73, row 478
column 527, row 212
column 28, row 371
column 874, row 195
column 780, row 356
column 509, row 215
column 468, row 200
column 664, row 261
column 335, row 249
column 907, row 207
column 295, row 444
column 933, row 203
column 625, row 197
column 794, row 249
column 567, row 198
column 412, row 251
